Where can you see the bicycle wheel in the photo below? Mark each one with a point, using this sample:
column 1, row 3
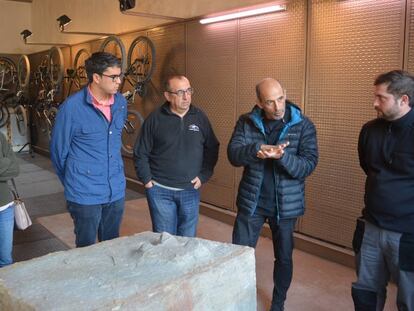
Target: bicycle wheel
column 51, row 115
column 21, row 119
column 10, row 100
column 79, row 67
column 7, row 72
column 23, row 71
column 4, row 115
column 55, row 66
column 39, row 117
column 141, row 59
column 131, row 130
column 114, row 45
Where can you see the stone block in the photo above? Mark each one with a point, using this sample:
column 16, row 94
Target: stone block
column 147, row 271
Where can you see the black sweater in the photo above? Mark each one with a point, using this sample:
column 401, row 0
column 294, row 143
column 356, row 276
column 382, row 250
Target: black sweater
column 172, row 150
column 386, row 154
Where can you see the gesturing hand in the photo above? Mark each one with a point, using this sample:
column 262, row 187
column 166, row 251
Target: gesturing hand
column 272, row 151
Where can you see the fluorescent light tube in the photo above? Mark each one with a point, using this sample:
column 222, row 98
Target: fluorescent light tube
column 268, row 9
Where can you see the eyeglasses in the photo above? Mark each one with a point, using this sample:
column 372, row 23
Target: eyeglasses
column 114, row 77
column 180, row 93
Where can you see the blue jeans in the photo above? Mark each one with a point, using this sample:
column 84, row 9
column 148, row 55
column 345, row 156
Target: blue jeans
column 102, row 220
column 6, row 236
column 175, row 212
column 246, row 232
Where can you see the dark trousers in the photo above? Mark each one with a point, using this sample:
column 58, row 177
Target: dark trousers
column 90, row 221
column 246, row 232
column 381, row 254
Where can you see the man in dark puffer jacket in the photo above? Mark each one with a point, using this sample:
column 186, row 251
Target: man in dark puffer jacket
column 277, row 146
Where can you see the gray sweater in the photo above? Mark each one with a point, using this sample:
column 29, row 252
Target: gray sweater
column 9, row 168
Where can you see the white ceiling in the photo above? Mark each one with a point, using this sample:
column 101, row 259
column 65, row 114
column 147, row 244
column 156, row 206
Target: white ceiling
column 101, row 16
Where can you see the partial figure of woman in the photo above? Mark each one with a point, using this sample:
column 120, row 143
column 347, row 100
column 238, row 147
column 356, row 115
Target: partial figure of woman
column 9, row 168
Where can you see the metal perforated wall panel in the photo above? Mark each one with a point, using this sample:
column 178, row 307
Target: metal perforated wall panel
column 169, row 44
column 350, row 43
column 212, row 69
column 272, row 45
column 410, row 37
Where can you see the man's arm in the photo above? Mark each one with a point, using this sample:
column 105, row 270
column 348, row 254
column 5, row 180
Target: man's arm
column 361, row 144
column 142, row 150
column 210, row 155
column 302, row 164
column 239, row 152
column 60, row 141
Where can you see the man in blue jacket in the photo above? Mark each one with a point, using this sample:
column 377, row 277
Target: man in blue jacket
column 384, row 239
column 174, row 155
column 277, row 146
column 85, row 150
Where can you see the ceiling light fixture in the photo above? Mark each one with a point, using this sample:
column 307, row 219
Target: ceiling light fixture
column 65, row 20
column 27, row 34
column 264, row 10
column 126, row 5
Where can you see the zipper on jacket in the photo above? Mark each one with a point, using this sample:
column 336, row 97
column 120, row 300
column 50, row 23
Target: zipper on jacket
column 276, row 180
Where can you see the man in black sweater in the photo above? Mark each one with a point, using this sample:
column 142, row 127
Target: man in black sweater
column 384, row 239
column 174, row 155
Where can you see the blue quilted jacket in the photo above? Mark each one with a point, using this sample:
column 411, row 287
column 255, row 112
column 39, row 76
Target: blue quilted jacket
column 298, row 162
column 85, row 150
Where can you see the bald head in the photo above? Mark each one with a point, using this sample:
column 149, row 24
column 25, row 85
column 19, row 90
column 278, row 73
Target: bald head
column 266, row 83
column 271, row 98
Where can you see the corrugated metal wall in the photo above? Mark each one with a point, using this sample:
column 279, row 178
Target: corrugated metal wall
column 325, row 52
column 350, row 42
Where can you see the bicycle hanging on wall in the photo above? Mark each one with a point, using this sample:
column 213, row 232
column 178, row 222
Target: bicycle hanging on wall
column 138, row 66
column 49, row 77
column 77, row 74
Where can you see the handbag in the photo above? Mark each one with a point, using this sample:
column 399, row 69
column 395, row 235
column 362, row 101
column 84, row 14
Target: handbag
column 21, row 216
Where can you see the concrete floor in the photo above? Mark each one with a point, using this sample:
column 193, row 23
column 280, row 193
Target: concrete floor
column 317, row 285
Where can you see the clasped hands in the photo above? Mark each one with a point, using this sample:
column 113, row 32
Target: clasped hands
column 196, row 182
column 272, row 151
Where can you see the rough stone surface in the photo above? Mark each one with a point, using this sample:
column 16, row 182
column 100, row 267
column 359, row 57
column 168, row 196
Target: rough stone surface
column 147, row 271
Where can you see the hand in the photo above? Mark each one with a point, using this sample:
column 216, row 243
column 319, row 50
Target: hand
column 196, row 182
column 272, row 151
column 149, row 185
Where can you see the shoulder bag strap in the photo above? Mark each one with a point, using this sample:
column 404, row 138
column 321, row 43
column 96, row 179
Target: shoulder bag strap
column 14, row 190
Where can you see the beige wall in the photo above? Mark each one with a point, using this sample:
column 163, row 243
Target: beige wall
column 14, row 17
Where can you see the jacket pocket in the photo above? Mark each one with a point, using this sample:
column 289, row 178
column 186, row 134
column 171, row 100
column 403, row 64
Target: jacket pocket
column 89, row 169
column 358, row 235
column 406, row 252
column 92, row 135
column 90, row 129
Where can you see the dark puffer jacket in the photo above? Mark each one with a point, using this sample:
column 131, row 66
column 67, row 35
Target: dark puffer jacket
column 298, row 162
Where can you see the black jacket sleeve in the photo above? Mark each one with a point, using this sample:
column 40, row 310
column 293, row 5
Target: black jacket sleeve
column 142, row 151
column 210, row 154
column 361, row 144
column 302, row 164
column 239, row 152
